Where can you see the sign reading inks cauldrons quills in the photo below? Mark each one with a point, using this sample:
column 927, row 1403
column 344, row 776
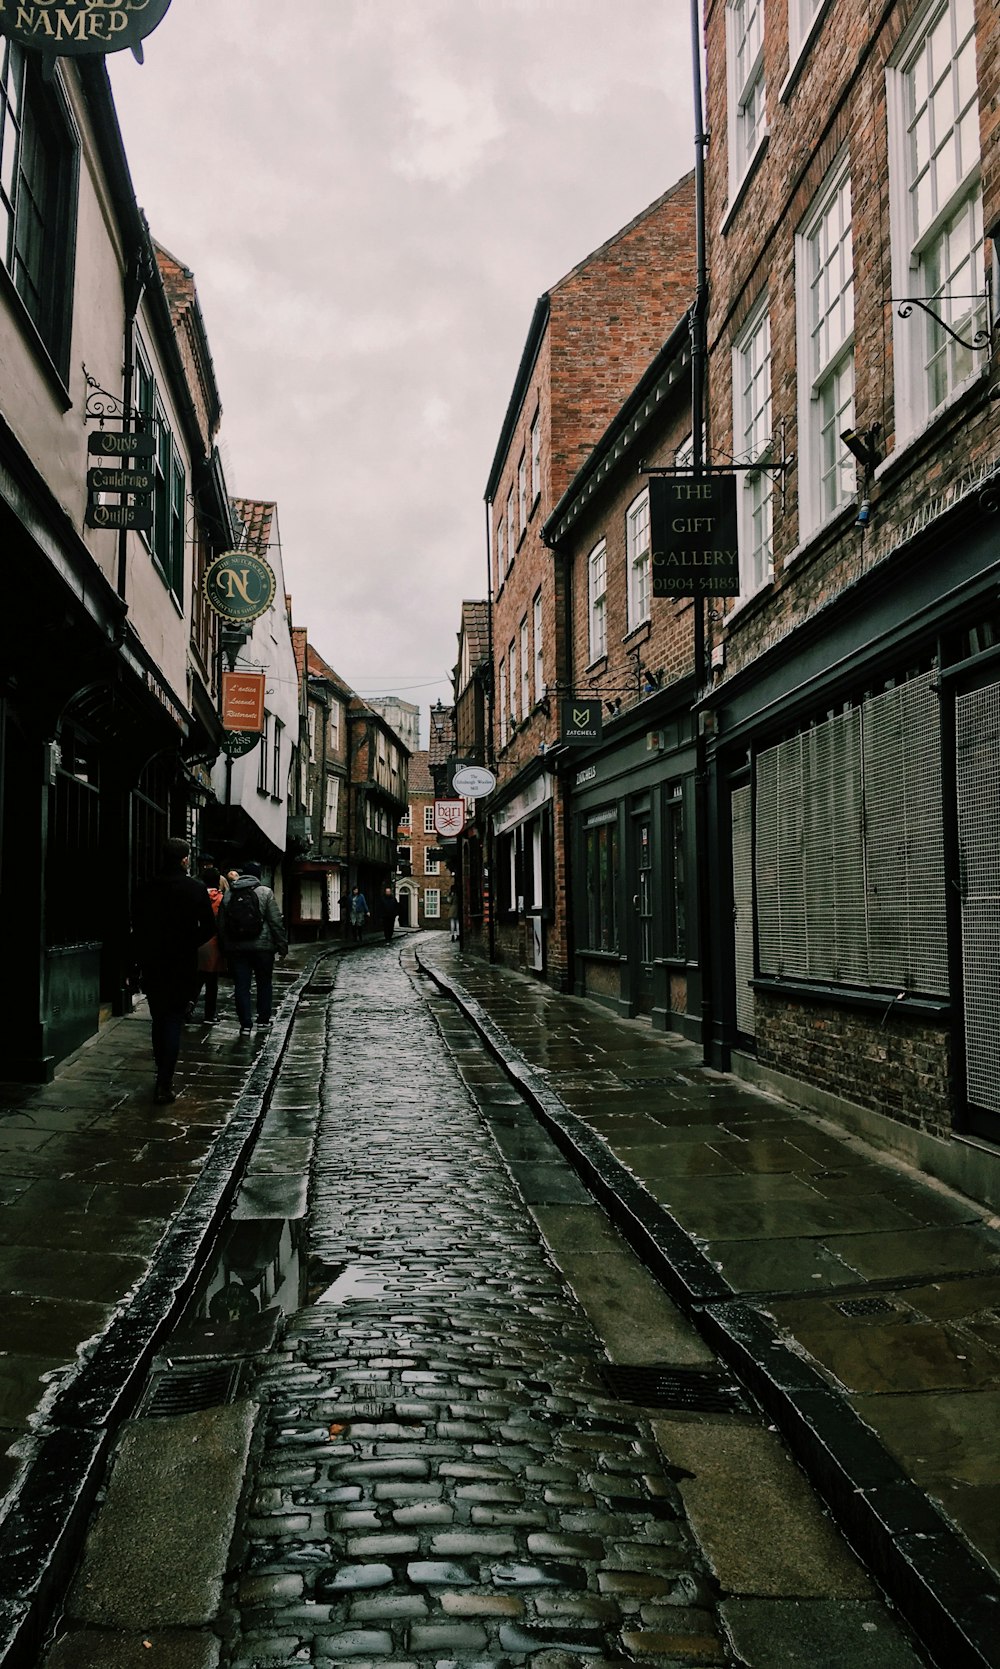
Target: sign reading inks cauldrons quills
column 76, row 28
column 692, row 530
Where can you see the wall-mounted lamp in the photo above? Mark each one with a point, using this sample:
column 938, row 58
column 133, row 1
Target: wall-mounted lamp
column 650, row 680
column 864, row 514
column 863, row 445
column 614, row 707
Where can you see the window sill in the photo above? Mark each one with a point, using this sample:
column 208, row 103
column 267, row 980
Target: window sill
column 743, row 603
column 855, row 996
column 907, row 444
column 522, row 536
column 598, row 665
column 601, row 955
column 744, row 185
column 836, row 522
column 536, row 501
column 640, row 633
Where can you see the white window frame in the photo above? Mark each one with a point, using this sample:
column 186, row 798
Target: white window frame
column 525, row 669
column 803, row 17
column 331, row 807
column 536, row 457
column 522, row 491
column 935, row 211
column 824, row 283
column 504, row 709
column 511, row 529
column 536, row 609
column 500, row 566
column 512, row 681
column 432, row 902
column 747, row 88
column 597, row 601
column 429, row 819
column 335, row 725
column 432, row 866
column 638, row 560
column 751, row 445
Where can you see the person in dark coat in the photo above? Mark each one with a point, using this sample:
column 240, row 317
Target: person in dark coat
column 390, row 910
column 173, row 916
column 252, row 958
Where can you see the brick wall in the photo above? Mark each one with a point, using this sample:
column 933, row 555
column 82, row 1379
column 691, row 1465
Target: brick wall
column 899, row 1068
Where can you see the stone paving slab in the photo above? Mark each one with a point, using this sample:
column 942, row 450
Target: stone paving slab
column 793, row 1235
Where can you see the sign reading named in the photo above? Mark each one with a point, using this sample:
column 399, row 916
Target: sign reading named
column 240, row 586
column 449, row 817
column 75, row 28
column 582, row 722
column 243, row 701
column 692, row 528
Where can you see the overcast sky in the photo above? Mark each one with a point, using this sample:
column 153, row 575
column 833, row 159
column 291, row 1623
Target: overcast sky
column 372, row 195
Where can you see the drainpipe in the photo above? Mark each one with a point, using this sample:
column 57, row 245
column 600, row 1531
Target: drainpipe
column 699, row 370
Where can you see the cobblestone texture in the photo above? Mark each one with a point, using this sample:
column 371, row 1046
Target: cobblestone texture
column 444, row 1479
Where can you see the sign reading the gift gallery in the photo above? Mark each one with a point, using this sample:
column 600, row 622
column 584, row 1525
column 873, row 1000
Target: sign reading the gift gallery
column 692, row 530
column 77, row 28
column 240, row 586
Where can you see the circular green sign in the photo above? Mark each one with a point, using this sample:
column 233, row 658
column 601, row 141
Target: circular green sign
column 238, row 742
column 81, row 28
column 239, row 586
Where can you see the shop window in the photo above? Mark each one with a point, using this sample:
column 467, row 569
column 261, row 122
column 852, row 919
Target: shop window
column 676, row 889
column 73, row 910
column 601, row 866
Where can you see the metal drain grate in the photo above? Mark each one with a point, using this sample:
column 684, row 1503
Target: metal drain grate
column 189, row 1389
column 700, row 1390
column 866, row 1306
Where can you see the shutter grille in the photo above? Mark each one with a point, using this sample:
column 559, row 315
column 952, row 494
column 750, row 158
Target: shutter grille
column 850, row 847
column 743, row 908
column 977, row 720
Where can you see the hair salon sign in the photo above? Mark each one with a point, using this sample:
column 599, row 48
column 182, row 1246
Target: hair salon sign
column 76, row 28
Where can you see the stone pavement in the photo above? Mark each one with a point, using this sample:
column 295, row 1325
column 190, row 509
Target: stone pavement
column 858, row 1300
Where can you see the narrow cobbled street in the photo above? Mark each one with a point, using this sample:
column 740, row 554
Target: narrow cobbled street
column 445, row 1477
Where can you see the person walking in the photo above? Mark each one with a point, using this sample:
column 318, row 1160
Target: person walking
column 172, row 918
column 454, row 914
column 390, row 910
column 252, row 932
column 211, row 962
column 359, row 914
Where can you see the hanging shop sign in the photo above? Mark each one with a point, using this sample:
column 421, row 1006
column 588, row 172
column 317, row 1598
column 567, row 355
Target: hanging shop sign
column 138, row 517
column 243, row 701
column 692, row 529
column 449, row 817
column 238, row 742
column 120, row 443
column 240, row 586
column 139, row 482
column 474, row 781
column 80, row 28
column 582, row 722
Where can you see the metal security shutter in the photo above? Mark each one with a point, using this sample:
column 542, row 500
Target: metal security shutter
column 743, row 907
column 834, row 850
column 977, row 732
column 904, row 824
column 791, row 860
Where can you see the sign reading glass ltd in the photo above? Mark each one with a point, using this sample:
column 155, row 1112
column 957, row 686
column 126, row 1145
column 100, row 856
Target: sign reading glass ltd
column 582, row 722
column 692, row 530
column 239, row 586
column 75, row 28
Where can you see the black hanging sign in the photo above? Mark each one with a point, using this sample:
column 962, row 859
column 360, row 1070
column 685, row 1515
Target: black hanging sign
column 692, row 528
column 135, row 516
column 141, row 481
column 582, row 722
column 81, row 28
column 118, row 443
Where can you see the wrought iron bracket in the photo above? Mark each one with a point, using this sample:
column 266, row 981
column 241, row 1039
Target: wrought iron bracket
column 102, row 406
column 904, row 306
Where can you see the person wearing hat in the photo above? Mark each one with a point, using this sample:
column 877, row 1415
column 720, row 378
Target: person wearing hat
column 252, row 932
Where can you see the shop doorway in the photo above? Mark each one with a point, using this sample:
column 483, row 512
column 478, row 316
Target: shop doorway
column 977, row 767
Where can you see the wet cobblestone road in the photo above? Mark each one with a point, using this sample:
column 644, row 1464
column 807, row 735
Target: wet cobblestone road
column 444, row 1479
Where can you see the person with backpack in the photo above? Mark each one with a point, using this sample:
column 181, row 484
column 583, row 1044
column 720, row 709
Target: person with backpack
column 252, row 933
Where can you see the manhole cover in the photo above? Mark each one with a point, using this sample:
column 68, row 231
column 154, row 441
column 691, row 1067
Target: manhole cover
column 866, row 1306
column 701, row 1390
column 189, row 1389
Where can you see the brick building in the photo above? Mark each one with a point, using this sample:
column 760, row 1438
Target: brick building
column 471, row 680
column 591, row 337
column 854, row 720
column 425, row 880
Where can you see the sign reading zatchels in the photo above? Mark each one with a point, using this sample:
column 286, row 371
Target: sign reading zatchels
column 582, row 721
column 75, row 28
column 692, row 529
